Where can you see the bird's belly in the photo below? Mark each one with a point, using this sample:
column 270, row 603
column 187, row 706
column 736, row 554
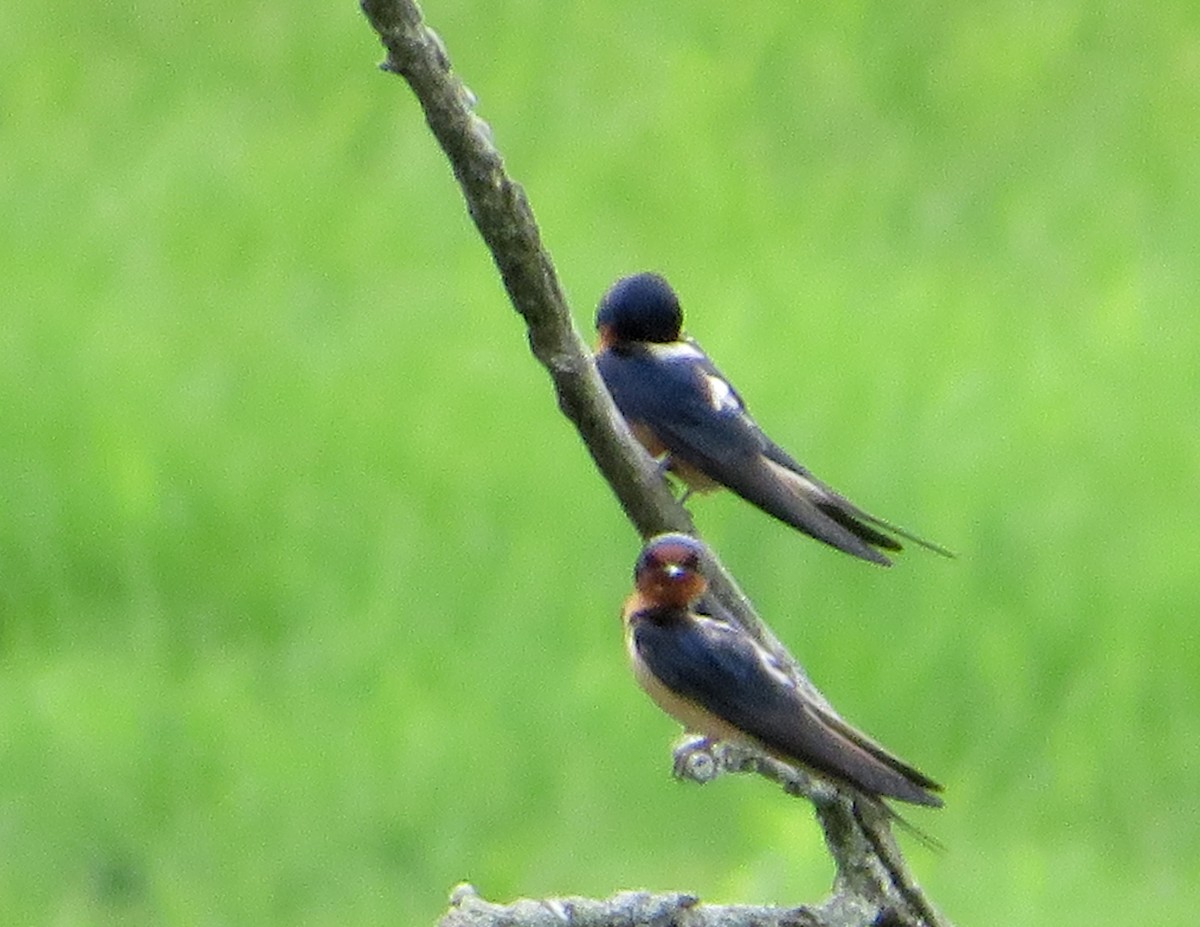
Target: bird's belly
column 647, row 439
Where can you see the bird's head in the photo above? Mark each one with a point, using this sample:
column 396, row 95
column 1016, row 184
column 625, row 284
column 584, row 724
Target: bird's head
column 669, row 573
column 642, row 307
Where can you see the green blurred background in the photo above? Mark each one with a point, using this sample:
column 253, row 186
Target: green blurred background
column 308, row 593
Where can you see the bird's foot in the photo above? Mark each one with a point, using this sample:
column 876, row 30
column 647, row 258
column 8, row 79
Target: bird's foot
column 662, row 469
column 694, row 759
column 662, row 464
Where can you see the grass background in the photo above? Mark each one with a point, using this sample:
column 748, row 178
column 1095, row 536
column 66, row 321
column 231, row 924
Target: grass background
column 307, row 592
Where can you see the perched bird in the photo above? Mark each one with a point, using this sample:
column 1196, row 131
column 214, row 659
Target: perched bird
column 718, row 681
column 679, row 405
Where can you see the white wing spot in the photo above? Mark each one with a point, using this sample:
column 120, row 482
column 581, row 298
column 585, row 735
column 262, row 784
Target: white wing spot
column 721, row 395
column 774, row 669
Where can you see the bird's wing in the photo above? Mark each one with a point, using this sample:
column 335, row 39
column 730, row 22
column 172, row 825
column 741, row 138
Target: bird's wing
column 713, row 431
column 674, row 393
column 683, row 400
column 710, row 606
column 718, row 668
column 677, row 394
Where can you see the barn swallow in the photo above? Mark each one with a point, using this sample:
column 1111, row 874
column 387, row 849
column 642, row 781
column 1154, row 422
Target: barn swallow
column 715, row 679
column 687, row 414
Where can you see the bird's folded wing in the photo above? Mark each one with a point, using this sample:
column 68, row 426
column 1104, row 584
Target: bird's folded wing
column 723, row 671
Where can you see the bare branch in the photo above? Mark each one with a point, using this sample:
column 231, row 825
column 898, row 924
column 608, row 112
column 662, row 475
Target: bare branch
column 467, row 909
column 501, row 213
column 872, row 883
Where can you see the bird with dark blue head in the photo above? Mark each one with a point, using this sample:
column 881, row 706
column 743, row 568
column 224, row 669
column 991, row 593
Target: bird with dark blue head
column 642, row 307
column 685, row 412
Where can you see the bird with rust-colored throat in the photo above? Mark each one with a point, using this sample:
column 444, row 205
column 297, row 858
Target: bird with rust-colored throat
column 719, row 682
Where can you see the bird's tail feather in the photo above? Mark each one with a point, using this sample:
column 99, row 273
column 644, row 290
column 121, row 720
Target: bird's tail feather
column 906, row 534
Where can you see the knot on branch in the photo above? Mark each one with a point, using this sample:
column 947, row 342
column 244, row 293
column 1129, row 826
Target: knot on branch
column 699, row 759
